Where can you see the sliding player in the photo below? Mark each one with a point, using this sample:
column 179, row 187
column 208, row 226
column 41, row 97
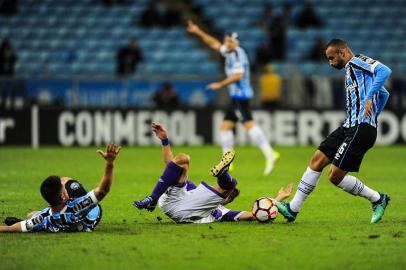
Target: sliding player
column 183, row 201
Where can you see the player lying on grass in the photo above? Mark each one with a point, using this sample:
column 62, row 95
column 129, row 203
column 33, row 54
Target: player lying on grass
column 75, row 190
column 183, row 201
column 63, row 213
column 345, row 147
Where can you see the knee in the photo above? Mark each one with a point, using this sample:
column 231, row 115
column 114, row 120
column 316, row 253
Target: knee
column 248, row 125
column 334, row 176
column 318, row 162
column 181, row 159
column 226, row 125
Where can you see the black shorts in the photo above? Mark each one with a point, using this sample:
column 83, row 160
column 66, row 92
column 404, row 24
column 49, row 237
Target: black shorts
column 75, row 190
column 345, row 147
column 239, row 110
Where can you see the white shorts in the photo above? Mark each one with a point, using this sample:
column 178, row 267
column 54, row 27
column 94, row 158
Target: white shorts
column 193, row 206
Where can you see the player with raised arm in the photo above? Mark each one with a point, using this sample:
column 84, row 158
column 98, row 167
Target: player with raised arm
column 240, row 90
column 345, row 147
column 75, row 190
column 183, row 201
column 64, row 214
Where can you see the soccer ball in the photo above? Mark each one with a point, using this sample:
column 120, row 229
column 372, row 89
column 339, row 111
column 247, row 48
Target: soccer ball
column 264, row 209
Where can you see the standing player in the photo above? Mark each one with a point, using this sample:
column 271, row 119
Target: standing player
column 64, row 214
column 183, row 201
column 238, row 82
column 345, row 147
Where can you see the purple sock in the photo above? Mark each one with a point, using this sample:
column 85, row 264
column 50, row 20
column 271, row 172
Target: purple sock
column 190, row 185
column 169, row 178
column 226, row 181
column 230, row 216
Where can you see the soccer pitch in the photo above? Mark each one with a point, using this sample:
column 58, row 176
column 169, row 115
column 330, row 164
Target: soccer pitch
column 331, row 232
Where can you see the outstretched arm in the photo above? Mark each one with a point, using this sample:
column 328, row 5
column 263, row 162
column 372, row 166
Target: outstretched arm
column 284, row 193
column 13, row 228
column 209, row 40
column 162, row 134
column 109, row 156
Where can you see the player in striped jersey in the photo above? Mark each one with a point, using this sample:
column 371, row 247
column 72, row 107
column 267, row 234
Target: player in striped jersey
column 345, row 147
column 75, row 190
column 63, row 213
column 240, row 90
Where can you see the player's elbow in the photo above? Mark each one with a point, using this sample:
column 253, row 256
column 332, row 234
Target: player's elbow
column 238, row 76
column 102, row 192
column 384, row 71
column 388, row 72
column 215, row 46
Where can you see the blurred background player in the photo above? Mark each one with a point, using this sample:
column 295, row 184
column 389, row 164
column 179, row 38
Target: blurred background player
column 64, row 214
column 238, row 83
column 183, row 201
column 346, row 146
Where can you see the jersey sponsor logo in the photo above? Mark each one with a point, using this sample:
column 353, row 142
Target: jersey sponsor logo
column 37, row 220
column 30, row 224
column 340, row 151
column 82, row 205
column 367, row 59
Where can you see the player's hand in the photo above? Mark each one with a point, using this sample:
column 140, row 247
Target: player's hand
column 368, row 108
column 214, row 86
column 284, row 192
column 159, row 131
column 192, row 28
column 111, row 153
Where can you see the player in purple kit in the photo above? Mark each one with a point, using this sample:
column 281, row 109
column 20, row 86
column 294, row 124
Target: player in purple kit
column 183, row 201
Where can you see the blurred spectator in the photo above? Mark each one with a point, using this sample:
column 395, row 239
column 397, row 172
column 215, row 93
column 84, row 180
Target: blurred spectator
column 166, row 97
column 8, row 7
column 172, row 16
column 128, row 58
column 318, row 51
column 308, row 17
column 262, row 55
column 267, row 15
column 151, row 16
column 277, row 29
column 287, row 14
column 8, row 58
column 277, row 37
column 270, row 85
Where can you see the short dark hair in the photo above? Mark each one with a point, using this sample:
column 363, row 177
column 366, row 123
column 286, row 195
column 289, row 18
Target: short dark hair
column 337, row 43
column 233, row 35
column 51, row 190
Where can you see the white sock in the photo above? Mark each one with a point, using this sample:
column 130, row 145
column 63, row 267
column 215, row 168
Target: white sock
column 306, row 185
column 227, row 140
column 258, row 137
column 354, row 186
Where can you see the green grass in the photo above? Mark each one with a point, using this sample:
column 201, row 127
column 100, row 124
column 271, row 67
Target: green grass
column 331, row 232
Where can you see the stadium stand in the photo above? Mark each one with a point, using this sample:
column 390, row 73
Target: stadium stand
column 64, row 38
